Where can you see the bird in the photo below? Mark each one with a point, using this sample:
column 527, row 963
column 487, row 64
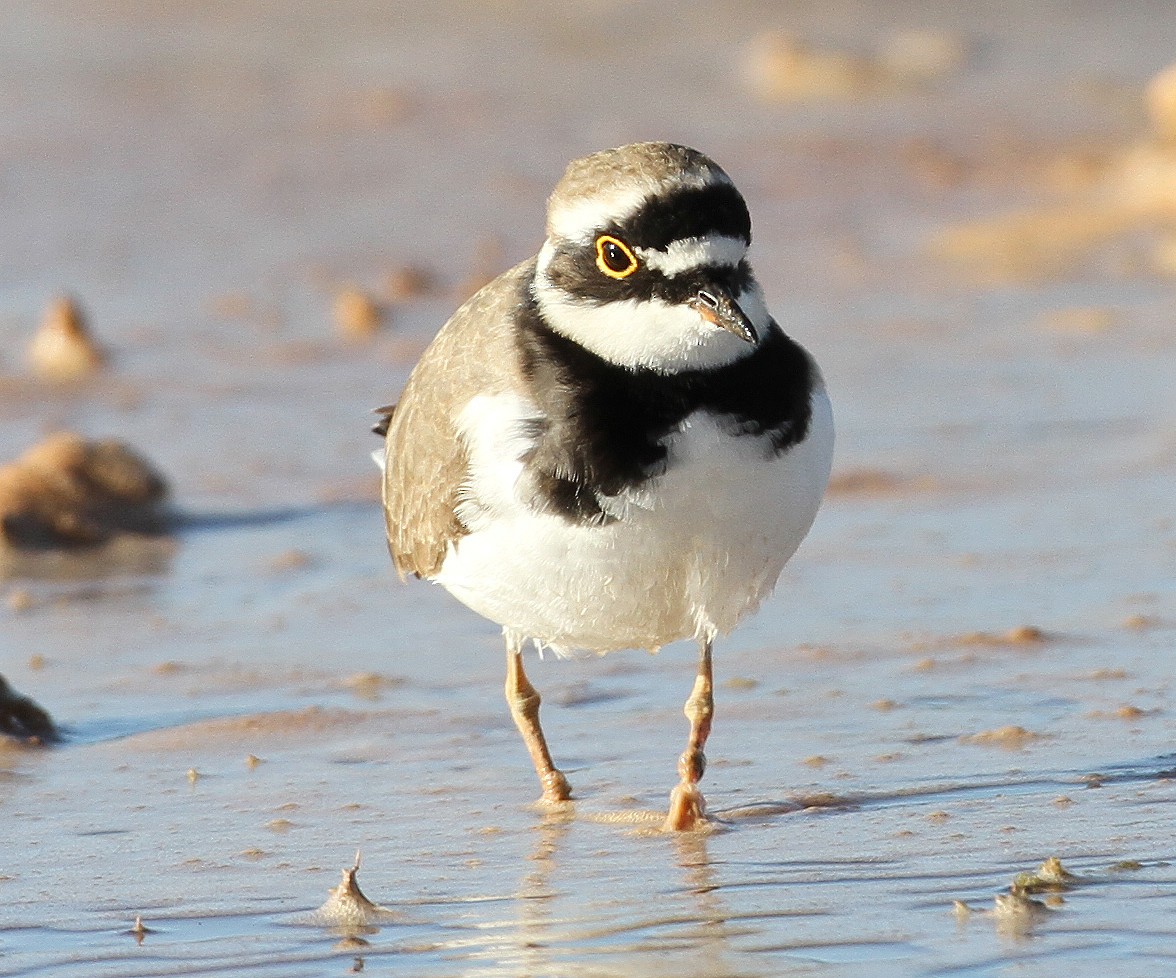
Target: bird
column 613, row 445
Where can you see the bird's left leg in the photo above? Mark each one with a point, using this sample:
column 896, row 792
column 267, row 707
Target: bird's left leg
column 523, row 699
column 687, row 806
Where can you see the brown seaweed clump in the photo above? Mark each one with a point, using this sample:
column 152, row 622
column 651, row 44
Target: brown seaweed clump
column 67, row 492
column 63, row 348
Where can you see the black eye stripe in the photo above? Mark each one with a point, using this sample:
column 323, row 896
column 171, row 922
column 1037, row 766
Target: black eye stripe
column 574, row 271
column 717, row 209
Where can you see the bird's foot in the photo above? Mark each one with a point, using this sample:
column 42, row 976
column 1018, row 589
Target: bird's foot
column 687, row 809
column 556, row 788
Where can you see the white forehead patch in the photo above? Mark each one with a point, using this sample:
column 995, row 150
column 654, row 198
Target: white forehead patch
column 577, row 220
column 690, row 253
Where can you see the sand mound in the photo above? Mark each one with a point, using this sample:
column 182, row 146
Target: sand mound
column 67, row 492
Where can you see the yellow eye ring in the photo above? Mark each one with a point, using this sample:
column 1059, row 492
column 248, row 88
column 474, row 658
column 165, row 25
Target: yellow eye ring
column 614, row 257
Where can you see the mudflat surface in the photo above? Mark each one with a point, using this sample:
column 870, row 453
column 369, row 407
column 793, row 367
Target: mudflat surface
column 966, row 668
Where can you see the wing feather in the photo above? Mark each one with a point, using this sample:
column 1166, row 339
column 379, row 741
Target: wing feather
column 426, row 460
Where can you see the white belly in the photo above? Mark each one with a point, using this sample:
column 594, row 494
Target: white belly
column 691, row 553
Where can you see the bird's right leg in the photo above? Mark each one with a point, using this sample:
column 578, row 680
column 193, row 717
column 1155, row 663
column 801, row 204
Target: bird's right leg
column 523, row 699
column 687, row 806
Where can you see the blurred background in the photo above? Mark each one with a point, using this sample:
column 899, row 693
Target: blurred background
column 227, row 230
column 206, row 179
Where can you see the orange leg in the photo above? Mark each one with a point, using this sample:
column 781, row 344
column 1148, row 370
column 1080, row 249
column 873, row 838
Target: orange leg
column 524, row 707
column 687, row 806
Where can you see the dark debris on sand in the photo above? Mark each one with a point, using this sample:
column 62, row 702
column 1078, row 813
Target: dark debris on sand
column 23, row 719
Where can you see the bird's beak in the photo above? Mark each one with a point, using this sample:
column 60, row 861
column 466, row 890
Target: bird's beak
column 716, row 305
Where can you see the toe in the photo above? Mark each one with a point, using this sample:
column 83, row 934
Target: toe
column 556, row 787
column 687, row 809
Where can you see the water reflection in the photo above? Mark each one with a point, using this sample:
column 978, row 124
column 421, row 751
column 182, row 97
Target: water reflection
column 629, row 927
column 536, row 933
column 712, row 935
column 126, row 556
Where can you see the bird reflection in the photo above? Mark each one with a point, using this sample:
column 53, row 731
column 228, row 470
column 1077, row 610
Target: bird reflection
column 551, row 936
column 536, row 894
column 711, row 936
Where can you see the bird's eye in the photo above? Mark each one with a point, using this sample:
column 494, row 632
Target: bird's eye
column 614, row 258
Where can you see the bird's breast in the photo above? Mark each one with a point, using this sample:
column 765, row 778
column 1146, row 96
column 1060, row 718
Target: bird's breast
column 692, row 548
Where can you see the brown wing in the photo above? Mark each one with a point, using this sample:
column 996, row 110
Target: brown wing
column 426, row 461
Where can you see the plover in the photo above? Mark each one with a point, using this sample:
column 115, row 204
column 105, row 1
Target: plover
column 613, row 445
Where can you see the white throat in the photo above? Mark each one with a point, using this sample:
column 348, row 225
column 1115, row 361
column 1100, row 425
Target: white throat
column 649, row 333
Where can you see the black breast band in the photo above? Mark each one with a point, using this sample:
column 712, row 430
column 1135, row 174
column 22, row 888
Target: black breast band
column 603, row 427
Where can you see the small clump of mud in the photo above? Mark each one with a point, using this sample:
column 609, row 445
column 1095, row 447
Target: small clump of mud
column 409, row 282
column 1010, row 738
column 779, row 67
column 348, row 908
column 1015, row 911
column 1020, row 635
column 1050, row 877
column 67, row 492
column 877, row 482
column 357, row 314
column 1128, row 189
column 1161, row 105
column 140, row 930
column 1018, row 914
column 63, row 349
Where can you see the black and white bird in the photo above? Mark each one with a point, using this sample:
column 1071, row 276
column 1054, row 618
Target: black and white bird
column 613, row 445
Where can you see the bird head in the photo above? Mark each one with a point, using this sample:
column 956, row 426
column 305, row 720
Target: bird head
column 645, row 262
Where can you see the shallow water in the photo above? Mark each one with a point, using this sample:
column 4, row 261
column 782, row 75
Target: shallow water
column 204, row 179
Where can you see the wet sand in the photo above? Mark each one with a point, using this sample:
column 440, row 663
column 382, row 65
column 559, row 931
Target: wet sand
column 965, row 670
